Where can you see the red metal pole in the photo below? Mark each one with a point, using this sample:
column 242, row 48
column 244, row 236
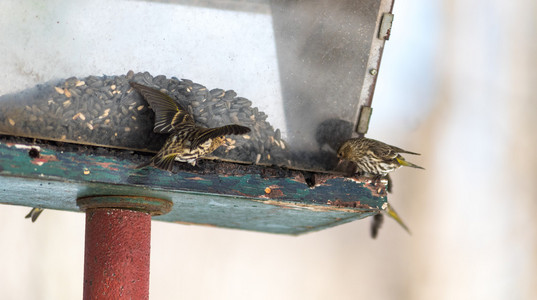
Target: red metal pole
column 117, row 254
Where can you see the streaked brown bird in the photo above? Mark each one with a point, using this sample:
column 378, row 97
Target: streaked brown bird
column 187, row 141
column 374, row 157
column 34, row 213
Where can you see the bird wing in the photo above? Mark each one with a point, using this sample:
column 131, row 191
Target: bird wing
column 399, row 150
column 164, row 162
column 168, row 114
column 384, row 150
column 379, row 149
column 204, row 134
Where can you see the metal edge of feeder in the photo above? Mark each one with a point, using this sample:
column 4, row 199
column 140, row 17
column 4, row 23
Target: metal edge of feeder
column 382, row 32
column 301, row 202
column 249, row 181
column 151, row 205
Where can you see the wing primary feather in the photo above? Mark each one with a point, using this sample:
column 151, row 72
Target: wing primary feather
column 168, row 113
column 211, row 133
column 165, row 163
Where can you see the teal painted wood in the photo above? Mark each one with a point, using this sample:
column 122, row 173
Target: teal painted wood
column 233, row 196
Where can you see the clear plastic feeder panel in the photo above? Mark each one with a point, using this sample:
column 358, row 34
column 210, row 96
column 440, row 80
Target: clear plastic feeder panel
column 295, row 73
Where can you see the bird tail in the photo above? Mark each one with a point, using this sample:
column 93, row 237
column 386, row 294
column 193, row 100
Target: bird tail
column 164, row 162
column 403, row 162
column 393, row 214
column 34, row 213
column 145, row 164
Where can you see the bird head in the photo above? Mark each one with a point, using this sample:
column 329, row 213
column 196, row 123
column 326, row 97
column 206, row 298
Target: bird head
column 344, row 151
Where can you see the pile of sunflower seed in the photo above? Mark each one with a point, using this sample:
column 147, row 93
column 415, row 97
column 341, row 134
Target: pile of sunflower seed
column 106, row 111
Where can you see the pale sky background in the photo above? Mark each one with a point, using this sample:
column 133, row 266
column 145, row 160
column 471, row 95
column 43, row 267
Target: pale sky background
column 456, row 84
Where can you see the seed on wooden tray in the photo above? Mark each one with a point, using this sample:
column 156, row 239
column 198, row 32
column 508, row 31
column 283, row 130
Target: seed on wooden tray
column 11, row 122
column 59, row 90
column 219, row 111
column 243, row 101
column 71, row 81
column 96, row 84
column 230, row 94
column 278, row 134
column 101, row 102
column 217, row 93
column 105, row 114
column 36, row 110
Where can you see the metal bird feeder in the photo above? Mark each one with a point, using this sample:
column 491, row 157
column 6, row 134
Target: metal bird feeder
column 302, row 73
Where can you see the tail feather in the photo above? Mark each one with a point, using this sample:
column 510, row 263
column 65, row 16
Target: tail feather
column 164, row 163
column 393, row 214
column 34, row 213
column 143, row 165
column 405, row 163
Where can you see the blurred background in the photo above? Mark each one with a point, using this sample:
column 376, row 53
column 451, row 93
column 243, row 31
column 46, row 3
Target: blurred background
column 456, row 84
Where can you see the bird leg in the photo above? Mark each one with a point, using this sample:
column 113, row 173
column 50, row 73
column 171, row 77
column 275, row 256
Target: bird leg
column 377, row 181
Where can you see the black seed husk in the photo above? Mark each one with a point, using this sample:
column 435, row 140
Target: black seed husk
column 112, row 116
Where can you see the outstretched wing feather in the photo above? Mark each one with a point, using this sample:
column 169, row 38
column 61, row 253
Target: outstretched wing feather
column 209, row 133
column 168, row 114
column 165, row 162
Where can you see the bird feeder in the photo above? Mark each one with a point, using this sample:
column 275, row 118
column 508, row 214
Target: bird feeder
column 300, row 75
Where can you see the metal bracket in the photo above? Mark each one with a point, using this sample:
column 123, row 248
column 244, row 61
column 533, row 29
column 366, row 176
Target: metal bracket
column 363, row 120
column 385, row 26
